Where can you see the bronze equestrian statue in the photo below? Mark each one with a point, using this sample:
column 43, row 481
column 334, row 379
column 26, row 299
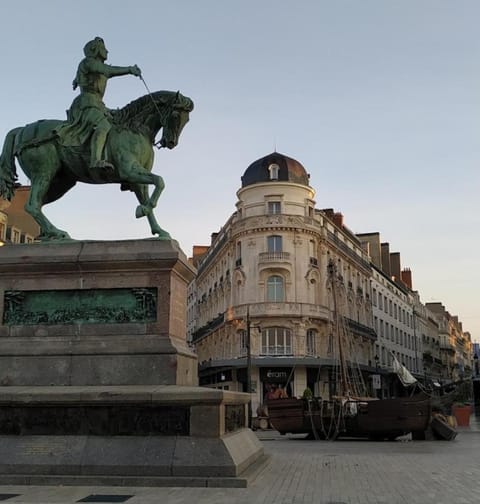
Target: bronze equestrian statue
column 95, row 145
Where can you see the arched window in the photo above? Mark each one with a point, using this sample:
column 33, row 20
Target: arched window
column 275, row 289
column 276, row 341
column 274, row 170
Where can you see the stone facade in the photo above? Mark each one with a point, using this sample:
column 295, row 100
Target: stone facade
column 16, row 226
column 456, row 348
column 264, row 276
column 261, row 285
column 395, row 325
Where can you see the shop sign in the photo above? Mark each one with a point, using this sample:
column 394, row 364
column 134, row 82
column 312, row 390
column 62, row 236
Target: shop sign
column 273, row 375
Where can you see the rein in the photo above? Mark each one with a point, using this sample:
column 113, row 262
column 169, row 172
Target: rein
column 156, row 144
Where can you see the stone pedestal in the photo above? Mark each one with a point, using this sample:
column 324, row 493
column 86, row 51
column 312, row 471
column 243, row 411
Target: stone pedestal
column 95, row 313
column 97, row 382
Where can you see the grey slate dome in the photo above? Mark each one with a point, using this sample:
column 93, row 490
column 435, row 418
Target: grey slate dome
column 275, row 167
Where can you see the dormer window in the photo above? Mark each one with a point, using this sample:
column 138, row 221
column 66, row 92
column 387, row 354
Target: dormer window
column 274, row 170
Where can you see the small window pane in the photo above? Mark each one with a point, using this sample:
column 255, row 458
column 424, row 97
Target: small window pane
column 274, row 244
column 274, row 207
column 275, row 288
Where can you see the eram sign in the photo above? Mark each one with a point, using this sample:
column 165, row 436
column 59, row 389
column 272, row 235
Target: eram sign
column 277, row 374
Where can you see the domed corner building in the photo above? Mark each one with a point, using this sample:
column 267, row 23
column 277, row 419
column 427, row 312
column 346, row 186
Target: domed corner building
column 264, row 277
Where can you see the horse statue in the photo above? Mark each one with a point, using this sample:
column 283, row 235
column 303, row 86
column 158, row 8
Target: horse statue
column 54, row 168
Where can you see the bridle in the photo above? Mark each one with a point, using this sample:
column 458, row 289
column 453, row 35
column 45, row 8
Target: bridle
column 169, row 110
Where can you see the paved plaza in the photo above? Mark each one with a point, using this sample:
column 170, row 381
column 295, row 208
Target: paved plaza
column 323, row 472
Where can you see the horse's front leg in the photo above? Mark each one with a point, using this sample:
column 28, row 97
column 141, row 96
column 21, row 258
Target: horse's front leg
column 145, row 209
column 141, row 192
column 136, row 175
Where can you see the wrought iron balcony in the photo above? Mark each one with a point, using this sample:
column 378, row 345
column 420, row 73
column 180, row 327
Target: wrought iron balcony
column 277, row 350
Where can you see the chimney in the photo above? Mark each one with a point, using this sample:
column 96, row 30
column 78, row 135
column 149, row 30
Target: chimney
column 338, row 219
column 198, row 252
column 395, row 267
column 385, row 247
column 213, row 237
column 371, row 243
column 365, row 247
column 406, row 277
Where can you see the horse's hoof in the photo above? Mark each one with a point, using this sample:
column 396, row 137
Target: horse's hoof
column 54, row 236
column 161, row 234
column 142, row 211
column 52, row 233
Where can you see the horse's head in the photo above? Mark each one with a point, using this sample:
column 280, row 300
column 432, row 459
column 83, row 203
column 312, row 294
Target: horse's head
column 163, row 109
column 179, row 109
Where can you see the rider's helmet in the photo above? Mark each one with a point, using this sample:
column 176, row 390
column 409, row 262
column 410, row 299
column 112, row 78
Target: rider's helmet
column 93, row 47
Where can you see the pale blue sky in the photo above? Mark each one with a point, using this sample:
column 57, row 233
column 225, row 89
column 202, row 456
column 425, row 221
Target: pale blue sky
column 378, row 99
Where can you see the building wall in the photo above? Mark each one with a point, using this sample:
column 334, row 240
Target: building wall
column 292, row 242
column 394, row 323
column 456, row 348
column 264, row 275
column 16, row 225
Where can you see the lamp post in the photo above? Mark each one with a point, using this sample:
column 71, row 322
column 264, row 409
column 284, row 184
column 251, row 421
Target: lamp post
column 249, row 370
column 414, row 321
column 377, row 359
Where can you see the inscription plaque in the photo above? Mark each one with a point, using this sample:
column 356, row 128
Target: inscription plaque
column 234, row 417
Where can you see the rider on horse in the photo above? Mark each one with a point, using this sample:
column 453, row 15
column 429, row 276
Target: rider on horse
column 88, row 116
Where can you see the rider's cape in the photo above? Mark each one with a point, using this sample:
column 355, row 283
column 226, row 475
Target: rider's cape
column 85, row 114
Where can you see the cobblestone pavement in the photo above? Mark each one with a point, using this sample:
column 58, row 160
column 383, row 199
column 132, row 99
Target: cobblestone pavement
column 323, row 472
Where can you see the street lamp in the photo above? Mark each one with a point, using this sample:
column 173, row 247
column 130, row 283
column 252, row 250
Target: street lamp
column 378, row 379
column 248, row 344
column 249, row 370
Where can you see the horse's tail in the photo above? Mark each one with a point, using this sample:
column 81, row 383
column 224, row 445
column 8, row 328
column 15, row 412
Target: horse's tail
column 8, row 172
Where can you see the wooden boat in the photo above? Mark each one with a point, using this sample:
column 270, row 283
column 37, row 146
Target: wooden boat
column 441, row 429
column 372, row 418
column 350, row 413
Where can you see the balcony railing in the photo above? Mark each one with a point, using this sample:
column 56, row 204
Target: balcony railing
column 274, row 257
column 285, row 309
column 347, row 250
column 277, row 350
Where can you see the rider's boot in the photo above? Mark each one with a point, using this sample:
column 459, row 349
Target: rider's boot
column 97, row 144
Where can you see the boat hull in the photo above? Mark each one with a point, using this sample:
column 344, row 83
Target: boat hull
column 442, row 430
column 377, row 419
